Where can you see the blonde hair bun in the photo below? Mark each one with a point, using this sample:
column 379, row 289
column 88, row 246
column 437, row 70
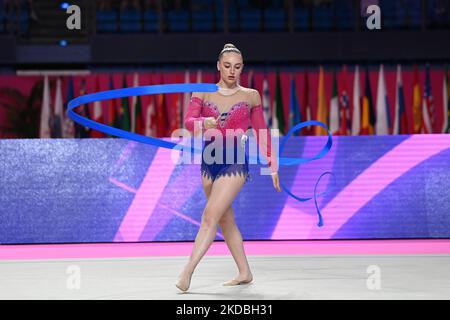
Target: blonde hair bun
column 229, row 47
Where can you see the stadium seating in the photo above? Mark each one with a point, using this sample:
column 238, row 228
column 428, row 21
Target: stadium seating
column 107, row 21
column 178, row 20
column 130, row 20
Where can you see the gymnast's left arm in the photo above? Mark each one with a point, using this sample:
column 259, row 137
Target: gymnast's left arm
column 263, row 137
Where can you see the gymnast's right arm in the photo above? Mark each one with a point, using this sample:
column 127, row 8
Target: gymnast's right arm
column 193, row 114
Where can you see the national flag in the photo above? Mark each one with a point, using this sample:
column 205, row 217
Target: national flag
column 250, row 81
column 80, row 130
column 186, row 100
column 417, row 100
column 266, row 104
column 294, row 108
column 98, row 114
column 137, row 120
column 199, row 76
column 334, row 107
column 150, row 118
column 383, row 117
column 114, row 109
column 56, row 119
column 175, row 122
column 368, row 114
column 446, row 103
column 306, row 103
column 322, row 112
column 68, row 127
column 125, row 123
column 372, row 114
column 428, row 104
column 162, row 121
column 44, row 130
column 140, row 125
column 356, row 118
column 133, row 103
column 278, row 106
column 400, row 121
column 344, row 107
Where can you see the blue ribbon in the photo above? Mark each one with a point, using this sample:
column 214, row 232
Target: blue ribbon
column 181, row 88
column 296, row 161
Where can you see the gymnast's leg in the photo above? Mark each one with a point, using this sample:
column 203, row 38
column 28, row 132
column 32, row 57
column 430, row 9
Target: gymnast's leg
column 223, row 192
column 233, row 239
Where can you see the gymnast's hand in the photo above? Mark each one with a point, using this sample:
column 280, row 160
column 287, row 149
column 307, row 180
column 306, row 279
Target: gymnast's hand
column 276, row 181
column 210, row 123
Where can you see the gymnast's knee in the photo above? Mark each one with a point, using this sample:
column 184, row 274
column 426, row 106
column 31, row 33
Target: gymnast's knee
column 226, row 220
column 211, row 216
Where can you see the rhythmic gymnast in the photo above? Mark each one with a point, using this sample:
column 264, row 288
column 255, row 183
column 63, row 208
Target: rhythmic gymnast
column 228, row 111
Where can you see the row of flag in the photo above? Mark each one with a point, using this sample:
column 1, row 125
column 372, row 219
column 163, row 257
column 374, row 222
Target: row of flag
column 367, row 118
column 56, row 124
column 163, row 114
column 157, row 121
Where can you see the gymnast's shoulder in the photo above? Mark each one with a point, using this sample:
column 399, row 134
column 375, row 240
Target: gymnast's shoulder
column 199, row 95
column 253, row 96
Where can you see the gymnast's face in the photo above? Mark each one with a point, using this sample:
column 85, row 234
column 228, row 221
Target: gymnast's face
column 230, row 66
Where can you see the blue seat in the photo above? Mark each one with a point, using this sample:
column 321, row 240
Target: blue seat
column 103, row 16
column 322, row 18
column 178, row 20
column 345, row 21
column 106, row 21
column 301, row 17
column 130, row 26
column 151, row 23
column 438, row 14
column 130, row 20
column 413, row 13
column 2, row 21
column 345, row 15
column 243, row 4
column 24, row 20
column 202, row 21
column 400, row 21
column 389, row 17
column 130, row 15
column 21, row 20
column 218, row 14
column 232, row 18
column 218, row 17
column 274, row 19
column 250, row 20
column 233, row 7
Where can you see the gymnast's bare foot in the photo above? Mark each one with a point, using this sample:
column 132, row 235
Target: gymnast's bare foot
column 240, row 279
column 184, row 280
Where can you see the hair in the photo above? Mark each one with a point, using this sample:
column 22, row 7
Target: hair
column 229, row 47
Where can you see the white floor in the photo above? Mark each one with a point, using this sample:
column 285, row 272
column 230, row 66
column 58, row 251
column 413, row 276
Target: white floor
column 275, row 277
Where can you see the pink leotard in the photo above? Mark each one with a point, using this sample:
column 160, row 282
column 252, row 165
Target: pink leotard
column 240, row 116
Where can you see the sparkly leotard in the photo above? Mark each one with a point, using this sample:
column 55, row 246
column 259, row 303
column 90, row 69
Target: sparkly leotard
column 233, row 122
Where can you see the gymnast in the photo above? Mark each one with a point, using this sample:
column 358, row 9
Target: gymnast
column 232, row 108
